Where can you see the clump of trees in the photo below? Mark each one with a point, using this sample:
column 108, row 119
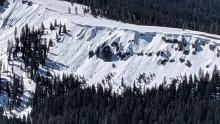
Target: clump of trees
column 14, row 90
column 186, row 14
column 30, row 47
column 193, row 99
column 68, row 101
column 2, row 2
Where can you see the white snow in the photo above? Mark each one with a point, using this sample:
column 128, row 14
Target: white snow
column 86, row 33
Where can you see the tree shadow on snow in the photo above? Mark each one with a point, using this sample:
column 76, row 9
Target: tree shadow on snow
column 53, row 65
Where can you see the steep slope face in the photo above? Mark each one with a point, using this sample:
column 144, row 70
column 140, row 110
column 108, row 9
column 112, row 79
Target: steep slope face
column 105, row 50
column 137, row 52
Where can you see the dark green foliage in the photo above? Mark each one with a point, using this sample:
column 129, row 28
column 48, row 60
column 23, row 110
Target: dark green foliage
column 42, row 27
column 68, row 101
column 97, row 52
column 186, row 102
column 60, row 28
column 2, row 2
column 17, row 90
column 55, row 23
column 32, row 47
column 52, row 27
column 51, row 43
column 14, row 91
column 64, row 29
column 199, row 15
column 6, row 120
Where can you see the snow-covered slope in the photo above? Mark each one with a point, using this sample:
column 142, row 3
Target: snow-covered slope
column 86, row 33
column 152, row 52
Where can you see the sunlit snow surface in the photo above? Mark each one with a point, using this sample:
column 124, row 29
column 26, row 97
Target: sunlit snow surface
column 86, row 33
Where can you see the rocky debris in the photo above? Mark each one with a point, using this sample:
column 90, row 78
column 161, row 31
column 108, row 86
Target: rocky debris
column 188, row 63
column 182, row 59
column 212, row 47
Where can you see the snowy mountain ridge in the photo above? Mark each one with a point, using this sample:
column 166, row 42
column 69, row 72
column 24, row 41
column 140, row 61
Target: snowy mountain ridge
column 144, row 54
column 87, row 33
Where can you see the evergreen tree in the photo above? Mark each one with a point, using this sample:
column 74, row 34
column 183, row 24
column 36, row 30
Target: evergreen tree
column 189, row 14
column 55, row 23
column 52, row 27
column 64, row 29
column 42, row 27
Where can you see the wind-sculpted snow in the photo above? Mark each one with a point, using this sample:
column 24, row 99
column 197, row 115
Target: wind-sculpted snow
column 141, row 54
column 75, row 54
column 144, row 44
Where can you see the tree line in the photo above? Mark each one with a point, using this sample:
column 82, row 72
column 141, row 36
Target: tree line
column 2, row 2
column 29, row 47
column 201, row 15
column 14, row 91
column 65, row 99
